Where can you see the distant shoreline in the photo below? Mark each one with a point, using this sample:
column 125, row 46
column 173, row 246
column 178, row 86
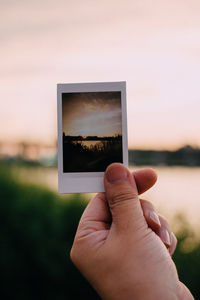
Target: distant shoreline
column 186, row 156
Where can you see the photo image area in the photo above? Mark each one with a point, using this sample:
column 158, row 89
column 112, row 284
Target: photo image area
column 92, row 131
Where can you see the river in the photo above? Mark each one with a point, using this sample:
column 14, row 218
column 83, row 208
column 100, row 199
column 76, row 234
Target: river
column 177, row 189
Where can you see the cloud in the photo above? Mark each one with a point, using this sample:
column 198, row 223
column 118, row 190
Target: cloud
column 92, row 113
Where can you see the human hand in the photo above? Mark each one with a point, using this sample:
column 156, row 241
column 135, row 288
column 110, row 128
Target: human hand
column 116, row 247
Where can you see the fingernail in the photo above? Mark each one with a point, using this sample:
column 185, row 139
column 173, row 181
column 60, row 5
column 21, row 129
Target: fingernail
column 164, row 235
column 154, row 217
column 116, row 172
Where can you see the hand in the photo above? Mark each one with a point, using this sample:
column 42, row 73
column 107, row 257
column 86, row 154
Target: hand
column 116, row 250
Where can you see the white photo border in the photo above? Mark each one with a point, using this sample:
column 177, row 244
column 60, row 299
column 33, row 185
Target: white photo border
column 87, row 182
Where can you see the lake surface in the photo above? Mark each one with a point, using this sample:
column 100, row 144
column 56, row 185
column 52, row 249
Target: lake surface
column 88, row 143
column 177, row 189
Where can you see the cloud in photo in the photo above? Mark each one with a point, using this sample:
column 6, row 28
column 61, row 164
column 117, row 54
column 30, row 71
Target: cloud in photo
column 92, row 114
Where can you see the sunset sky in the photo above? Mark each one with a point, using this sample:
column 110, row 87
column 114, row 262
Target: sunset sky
column 92, row 114
column 153, row 45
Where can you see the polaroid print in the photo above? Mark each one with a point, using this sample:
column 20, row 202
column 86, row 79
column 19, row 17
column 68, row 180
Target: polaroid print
column 92, row 134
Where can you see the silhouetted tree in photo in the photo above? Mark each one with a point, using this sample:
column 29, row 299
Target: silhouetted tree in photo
column 78, row 157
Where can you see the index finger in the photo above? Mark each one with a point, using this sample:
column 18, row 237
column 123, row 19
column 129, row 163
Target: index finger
column 145, row 179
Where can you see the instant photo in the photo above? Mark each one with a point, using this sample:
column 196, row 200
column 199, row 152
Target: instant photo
column 92, row 132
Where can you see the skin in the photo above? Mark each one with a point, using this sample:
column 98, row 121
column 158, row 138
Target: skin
column 120, row 248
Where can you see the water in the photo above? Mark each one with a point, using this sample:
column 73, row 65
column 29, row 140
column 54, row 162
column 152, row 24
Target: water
column 177, row 189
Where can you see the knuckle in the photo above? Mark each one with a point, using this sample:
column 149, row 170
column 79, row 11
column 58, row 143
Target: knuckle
column 164, row 222
column 174, row 238
column 163, row 219
column 73, row 255
column 121, row 196
column 147, row 204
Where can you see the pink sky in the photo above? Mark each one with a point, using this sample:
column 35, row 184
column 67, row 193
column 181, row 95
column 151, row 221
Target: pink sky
column 153, row 45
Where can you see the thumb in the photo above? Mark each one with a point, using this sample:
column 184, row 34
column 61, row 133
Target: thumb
column 122, row 196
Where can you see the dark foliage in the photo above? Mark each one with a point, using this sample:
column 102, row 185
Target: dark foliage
column 36, row 232
column 37, row 228
column 79, row 158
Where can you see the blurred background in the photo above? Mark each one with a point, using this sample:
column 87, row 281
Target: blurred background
column 155, row 47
